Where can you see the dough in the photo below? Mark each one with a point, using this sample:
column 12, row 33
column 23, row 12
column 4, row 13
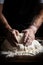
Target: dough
column 20, row 47
column 31, row 50
column 20, row 38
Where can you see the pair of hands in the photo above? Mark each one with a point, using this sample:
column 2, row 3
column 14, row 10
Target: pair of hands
column 29, row 36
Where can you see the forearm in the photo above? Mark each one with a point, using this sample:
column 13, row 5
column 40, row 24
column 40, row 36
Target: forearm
column 4, row 22
column 37, row 21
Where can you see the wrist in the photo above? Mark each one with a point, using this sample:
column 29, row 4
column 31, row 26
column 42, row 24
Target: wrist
column 8, row 27
column 33, row 28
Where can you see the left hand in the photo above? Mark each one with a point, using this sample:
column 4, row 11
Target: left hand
column 11, row 36
column 29, row 36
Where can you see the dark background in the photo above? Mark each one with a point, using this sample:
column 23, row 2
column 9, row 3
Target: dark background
column 20, row 13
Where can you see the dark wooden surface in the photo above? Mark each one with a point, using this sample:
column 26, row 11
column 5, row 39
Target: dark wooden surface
column 36, row 58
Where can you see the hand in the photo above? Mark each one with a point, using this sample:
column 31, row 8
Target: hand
column 29, row 36
column 11, row 37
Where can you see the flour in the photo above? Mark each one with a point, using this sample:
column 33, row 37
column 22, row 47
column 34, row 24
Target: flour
column 30, row 50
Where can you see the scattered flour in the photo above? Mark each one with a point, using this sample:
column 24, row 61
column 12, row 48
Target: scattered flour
column 30, row 50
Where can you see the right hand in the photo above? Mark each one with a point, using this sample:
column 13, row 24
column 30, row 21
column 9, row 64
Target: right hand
column 11, row 37
column 29, row 36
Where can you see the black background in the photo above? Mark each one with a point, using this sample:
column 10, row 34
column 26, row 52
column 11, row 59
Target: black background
column 20, row 13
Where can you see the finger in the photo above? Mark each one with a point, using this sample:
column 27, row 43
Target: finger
column 25, row 37
column 14, row 37
column 29, row 41
column 15, row 44
column 17, row 32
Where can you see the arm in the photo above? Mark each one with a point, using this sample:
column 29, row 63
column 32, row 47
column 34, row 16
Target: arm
column 37, row 21
column 10, row 33
column 3, row 19
column 29, row 33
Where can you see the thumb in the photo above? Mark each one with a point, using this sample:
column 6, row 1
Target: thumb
column 17, row 32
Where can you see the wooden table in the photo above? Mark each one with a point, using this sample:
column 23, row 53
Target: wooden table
column 36, row 58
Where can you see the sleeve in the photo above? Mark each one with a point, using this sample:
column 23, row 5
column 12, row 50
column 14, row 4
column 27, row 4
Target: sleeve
column 41, row 1
column 1, row 1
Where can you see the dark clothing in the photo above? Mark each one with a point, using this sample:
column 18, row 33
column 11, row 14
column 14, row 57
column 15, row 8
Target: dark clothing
column 20, row 13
